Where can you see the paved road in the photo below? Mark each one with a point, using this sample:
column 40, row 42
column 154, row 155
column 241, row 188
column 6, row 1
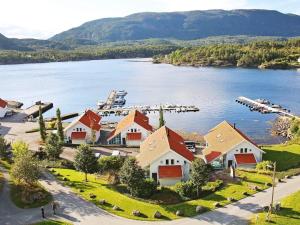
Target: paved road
column 78, row 211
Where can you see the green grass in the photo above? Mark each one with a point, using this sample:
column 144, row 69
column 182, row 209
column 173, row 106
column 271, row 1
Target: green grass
column 52, row 222
column 288, row 215
column 286, row 156
column 102, row 190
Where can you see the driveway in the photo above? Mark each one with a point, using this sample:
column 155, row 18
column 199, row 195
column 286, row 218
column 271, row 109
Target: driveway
column 79, row 211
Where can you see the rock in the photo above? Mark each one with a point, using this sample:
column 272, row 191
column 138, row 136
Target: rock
column 287, row 177
column 265, row 208
column 217, row 204
column 136, row 213
column 102, row 201
column 116, row 208
column 267, row 184
column 279, row 180
column 245, row 193
column 92, row 196
column 179, row 213
column 230, row 199
column 157, row 215
column 200, row 209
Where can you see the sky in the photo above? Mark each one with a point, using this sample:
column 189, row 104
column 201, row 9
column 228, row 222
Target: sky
column 45, row 18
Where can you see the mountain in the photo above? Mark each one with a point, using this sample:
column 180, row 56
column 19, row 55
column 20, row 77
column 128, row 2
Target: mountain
column 185, row 26
column 8, row 44
column 29, row 44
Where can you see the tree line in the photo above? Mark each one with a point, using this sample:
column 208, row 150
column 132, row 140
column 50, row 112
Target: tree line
column 262, row 54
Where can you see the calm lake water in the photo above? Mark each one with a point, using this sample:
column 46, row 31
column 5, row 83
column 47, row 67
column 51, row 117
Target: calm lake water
column 74, row 86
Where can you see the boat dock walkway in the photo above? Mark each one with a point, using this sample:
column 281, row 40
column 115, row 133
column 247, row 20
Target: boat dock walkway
column 148, row 109
column 33, row 111
column 110, row 100
column 263, row 107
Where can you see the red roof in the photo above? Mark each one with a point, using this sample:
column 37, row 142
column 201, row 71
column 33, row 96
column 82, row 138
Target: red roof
column 142, row 120
column 133, row 117
column 3, row 103
column 78, row 135
column 91, row 120
column 212, row 156
column 134, row 136
column 176, row 143
column 169, row 171
column 245, row 158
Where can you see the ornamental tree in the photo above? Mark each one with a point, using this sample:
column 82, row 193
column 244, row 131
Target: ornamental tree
column 85, row 160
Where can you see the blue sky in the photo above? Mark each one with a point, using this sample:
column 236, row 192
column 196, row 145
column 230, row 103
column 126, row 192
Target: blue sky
column 44, row 18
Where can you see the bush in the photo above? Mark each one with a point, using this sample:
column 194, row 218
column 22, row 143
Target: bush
column 213, row 186
column 264, row 165
column 147, row 188
column 186, row 189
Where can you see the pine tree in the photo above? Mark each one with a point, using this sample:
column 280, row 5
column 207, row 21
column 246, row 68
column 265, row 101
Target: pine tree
column 161, row 117
column 59, row 126
column 42, row 125
column 53, row 146
column 85, row 160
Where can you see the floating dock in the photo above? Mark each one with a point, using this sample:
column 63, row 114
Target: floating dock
column 63, row 117
column 148, row 109
column 33, row 111
column 264, row 106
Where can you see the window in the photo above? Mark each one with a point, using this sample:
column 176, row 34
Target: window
column 77, row 129
column 172, row 161
column 237, row 150
column 246, row 150
column 242, row 150
column 184, row 162
column 80, row 129
column 134, row 130
column 167, row 162
column 131, row 130
column 177, row 161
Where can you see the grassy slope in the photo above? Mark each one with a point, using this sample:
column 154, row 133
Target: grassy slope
column 52, row 222
column 286, row 156
column 288, row 215
column 103, row 191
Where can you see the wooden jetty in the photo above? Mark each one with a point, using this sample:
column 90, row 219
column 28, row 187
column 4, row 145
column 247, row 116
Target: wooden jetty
column 33, row 111
column 260, row 106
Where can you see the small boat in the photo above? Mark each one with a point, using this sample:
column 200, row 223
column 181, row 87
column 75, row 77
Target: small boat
column 101, row 104
column 121, row 93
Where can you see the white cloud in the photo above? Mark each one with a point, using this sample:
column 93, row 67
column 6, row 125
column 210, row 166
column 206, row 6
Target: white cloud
column 44, row 18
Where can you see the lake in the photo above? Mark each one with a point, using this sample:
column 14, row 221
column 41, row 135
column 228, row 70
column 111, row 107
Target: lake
column 75, row 86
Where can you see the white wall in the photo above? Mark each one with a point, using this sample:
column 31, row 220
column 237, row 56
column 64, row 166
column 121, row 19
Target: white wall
column 3, row 111
column 250, row 149
column 168, row 182
column 84, row 128
column 139, row 129
column 178, row 160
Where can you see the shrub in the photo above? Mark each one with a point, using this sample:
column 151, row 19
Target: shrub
column 264, row 165
column 147, row 188
column 136, row 213
column 157, row 215
column 186, row 189
column 213, row 186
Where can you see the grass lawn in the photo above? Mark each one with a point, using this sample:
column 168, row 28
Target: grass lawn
column 288, row 215
column 102, row 190
column 286, row 156
column 52, row 222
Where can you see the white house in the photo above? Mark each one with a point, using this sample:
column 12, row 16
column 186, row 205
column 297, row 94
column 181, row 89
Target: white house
column 166, row 156
column 227, row 146
column 3, row 108
column 131, row 130
column 84, row 129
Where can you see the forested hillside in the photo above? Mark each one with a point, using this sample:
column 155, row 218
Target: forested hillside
column 263, row 54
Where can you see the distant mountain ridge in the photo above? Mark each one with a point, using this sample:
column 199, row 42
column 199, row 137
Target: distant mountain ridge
column 184, row 26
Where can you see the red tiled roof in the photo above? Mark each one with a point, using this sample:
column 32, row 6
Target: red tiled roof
column 212, row 156
column 176, row 143
column 78, row 135
column 133, row 117
column 245, row 158
column 91, row 120
column 134, row 136
column 169, row 171
column 3, row 103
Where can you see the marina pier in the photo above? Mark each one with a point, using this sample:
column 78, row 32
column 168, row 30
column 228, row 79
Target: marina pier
column 264, row 106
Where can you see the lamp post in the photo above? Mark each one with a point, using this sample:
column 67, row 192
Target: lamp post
column 273, row 188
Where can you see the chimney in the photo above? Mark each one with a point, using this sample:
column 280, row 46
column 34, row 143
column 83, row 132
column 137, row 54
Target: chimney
column 234, row 126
